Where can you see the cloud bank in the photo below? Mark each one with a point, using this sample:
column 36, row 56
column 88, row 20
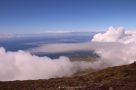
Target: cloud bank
column 115, row 47
column 124, row 53
column 22, row 65
column 116, row 35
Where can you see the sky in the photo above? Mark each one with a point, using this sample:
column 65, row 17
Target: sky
column 18, row 16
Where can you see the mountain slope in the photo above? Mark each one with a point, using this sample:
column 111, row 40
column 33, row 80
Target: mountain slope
column 113, row 78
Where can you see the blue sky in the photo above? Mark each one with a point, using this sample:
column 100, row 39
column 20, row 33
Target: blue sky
column 68, row 15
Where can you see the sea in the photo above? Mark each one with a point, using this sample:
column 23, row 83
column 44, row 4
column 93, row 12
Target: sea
column 27, row 41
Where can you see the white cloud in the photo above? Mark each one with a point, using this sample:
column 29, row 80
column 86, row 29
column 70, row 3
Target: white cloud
column 115, row 47
column 124, row 53
column 22, row 65
column 116, row 35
